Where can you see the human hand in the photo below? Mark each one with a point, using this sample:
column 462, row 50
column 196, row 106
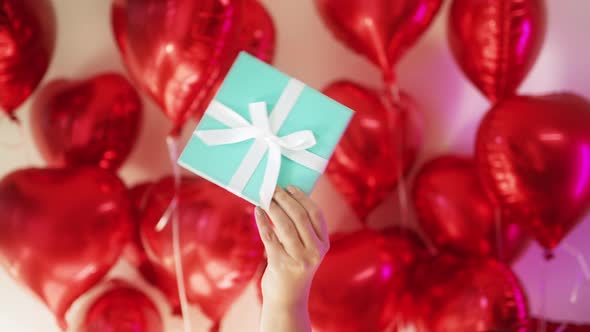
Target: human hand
column 296, row 240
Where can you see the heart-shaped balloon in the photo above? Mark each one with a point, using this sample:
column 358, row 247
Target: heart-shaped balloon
column 257, row 31
column 378, row 147
column 456, row 214
column 446, row 293
column 122, row 308
column 257, row 37
column 62, row 230
column 27, row 40
column 496, row 42
column 220, row 245
column 381, row 30
column 179, row 60
column 353, row 287
column 93, row 122
column 533, row 156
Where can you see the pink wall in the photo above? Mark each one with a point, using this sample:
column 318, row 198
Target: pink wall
column 452, row 109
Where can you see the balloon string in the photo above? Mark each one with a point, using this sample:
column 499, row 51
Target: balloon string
column 174, row 205
column 393, row 99
column 584, row 274
column 215, row 327
column 543, row 292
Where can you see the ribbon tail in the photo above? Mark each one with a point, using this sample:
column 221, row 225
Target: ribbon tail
column 271, row 176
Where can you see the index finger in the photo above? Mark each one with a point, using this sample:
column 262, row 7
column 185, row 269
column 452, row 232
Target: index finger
column 315, row 214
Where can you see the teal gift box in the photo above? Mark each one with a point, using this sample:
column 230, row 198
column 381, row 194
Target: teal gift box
column 264, row 128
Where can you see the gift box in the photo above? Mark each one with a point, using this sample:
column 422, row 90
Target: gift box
column 264, row 128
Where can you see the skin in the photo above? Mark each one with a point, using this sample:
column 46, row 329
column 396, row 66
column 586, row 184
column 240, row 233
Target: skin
column 296, row 241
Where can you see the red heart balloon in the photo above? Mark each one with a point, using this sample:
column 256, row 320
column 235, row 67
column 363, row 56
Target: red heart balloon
column 381, row 30
column 92, row 122
column 533, row 156
column 257, row 32
column 378, row 147
column 62, row 230
column 179, row 60
column 496, row 42
column 446, row 293
column 220, row 246
column 256, row 36
column 456, row 214
column 27, row 40
column 353, row 287
column 122, row 309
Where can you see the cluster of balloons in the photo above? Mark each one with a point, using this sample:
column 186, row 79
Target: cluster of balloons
column 385, row 135
column 64, row 227
column 529, row 175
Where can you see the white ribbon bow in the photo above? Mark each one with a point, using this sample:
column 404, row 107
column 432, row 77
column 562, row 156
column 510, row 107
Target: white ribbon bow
column 264, row 130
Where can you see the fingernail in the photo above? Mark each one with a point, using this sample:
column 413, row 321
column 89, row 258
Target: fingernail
column 291, row 189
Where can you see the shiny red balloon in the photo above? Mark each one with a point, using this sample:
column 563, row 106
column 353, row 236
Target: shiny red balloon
column 27, row 41
column 257, row 37
column 379, row 146
column 456, row 214
column 353, row 287
column 533, row 156
column 123, row 309
column 181, row 61
column 447, row 293
column 62, row 230
column 257, row 31
column 381, row 30
column 220, row 246
column 496, row 42
column 94, row 122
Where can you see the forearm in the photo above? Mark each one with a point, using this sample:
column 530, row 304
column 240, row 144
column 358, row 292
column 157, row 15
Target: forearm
column 281, row 318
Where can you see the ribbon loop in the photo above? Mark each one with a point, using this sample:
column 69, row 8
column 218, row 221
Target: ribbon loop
column 264, row 130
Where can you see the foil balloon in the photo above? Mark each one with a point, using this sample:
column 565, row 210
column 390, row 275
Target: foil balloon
column 381, row 30
column 92, row 122
column 353, row 287
column 219, row 242
column 222, row 29
column 257, row 31
column 122, row 308
column 456, row 214
column 62, row 230
column 379, row 146
column 257, row 37
column 533, row 156
column 27, row 41
column 447, row 293
column 496, row 42
column 179, row 60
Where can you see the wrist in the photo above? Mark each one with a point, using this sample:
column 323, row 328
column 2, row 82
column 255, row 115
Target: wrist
column 284, row 302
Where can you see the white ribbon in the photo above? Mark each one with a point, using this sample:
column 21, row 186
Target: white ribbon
column 263, row 129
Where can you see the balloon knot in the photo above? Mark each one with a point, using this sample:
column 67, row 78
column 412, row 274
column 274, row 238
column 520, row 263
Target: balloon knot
column 215, row 327
column 549, row 255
